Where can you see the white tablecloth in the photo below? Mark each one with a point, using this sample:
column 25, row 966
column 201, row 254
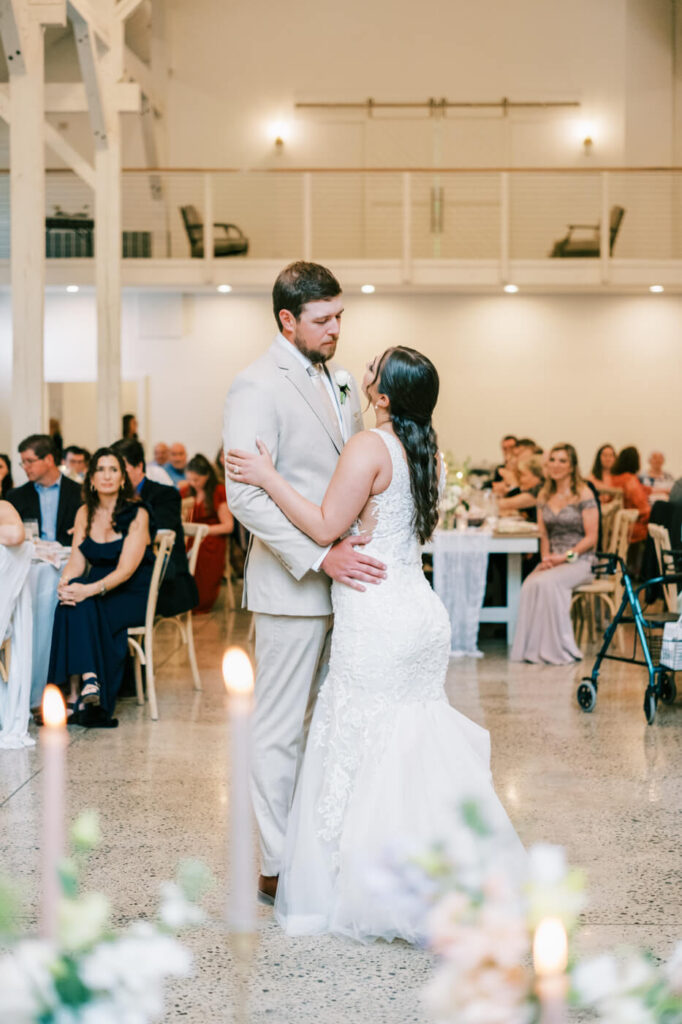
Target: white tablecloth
column 460, row 567
column 460, row 562
column 16, row 623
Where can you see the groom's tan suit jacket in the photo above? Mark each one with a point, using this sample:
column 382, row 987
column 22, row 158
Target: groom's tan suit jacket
column 274, row 399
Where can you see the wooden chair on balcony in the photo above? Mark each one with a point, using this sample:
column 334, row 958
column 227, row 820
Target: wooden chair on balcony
column 590, row 245
column 231, row 242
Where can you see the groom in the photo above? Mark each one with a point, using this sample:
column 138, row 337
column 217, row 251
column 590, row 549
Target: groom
column 291, row 399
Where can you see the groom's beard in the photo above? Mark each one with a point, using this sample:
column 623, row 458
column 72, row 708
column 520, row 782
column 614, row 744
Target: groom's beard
column 317, row 355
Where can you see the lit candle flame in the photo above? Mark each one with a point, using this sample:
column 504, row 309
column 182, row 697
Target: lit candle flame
column 237, row 672
column 550, row 947
column 54, row 709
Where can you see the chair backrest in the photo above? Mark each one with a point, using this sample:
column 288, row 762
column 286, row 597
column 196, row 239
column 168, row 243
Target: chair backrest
column 187, row 508
column 624, row 520
column 163, row 546
column 615, row 220
column 197, row 531
column 608, row 518
column 194, row 226
column 666, row 563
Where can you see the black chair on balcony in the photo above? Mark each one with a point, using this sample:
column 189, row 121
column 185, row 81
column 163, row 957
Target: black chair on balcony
column 231, row 242
column 590, row 245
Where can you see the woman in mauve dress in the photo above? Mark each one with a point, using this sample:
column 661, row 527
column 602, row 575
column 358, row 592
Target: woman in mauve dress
column 568, row 519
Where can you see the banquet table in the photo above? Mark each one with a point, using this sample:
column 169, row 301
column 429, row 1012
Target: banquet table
column 460, row 563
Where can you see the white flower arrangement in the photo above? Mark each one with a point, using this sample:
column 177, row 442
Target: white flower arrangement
column 343, row 382
column 91, row 975
column 480, row 924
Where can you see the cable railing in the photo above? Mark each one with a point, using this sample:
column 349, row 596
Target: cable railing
column 399, row 215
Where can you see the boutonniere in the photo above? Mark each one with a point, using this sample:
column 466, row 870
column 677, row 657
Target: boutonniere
column 343, row 379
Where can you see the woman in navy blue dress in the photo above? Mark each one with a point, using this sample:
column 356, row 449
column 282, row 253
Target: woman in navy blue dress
column 112, row 536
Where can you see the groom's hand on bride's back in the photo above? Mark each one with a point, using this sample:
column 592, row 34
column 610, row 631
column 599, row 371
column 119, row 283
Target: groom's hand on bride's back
column 346, row 563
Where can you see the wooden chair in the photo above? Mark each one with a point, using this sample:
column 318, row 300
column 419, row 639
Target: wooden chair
column 5, row 654
column 187, row 508
column 230, row 241
column 141, row 638
column 608, row 589
column 183, row 622
column 589, row 246
column 666, row 562
column 608, row 518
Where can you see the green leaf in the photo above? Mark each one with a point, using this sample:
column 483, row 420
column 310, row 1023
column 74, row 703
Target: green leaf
column 473, row 819
column 67, row 982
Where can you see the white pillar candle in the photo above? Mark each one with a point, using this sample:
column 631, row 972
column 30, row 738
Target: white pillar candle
column 53, row 741
column 241, row 902
column 550, row 956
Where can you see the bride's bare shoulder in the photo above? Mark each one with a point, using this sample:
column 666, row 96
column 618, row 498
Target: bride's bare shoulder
column 365, row 445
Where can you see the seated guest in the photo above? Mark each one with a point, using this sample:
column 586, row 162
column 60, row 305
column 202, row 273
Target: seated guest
column 129, row 427
column 507, row 444
column 210, row 506
column 90, row 637
column 55, row 432
column 6, row 483
column 156, row 470
column 656, row 480
column 568, row 521
column 75, row 464
column 600, row 476
column 624, row 475
column 48, row 497
column 178, row 591
column 523, row 448
column 177, row 463
column 524, row 497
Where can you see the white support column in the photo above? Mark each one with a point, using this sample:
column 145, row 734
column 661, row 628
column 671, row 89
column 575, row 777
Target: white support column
column 407, row 228
column 27, row 232
column 101, row 66
column 605, row 230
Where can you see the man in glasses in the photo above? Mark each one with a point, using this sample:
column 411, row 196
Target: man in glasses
column 49, row 497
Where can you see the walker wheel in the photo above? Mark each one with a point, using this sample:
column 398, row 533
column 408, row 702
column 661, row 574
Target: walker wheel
column 667, row 689
column 650, row 702
column 587, row 694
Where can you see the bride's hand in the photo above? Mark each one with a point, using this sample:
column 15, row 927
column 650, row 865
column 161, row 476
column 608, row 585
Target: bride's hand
column 248, row 468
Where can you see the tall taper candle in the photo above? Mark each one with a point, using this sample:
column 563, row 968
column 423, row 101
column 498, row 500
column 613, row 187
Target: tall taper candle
column 241, row 903
column 53, row 742
column 550, row 956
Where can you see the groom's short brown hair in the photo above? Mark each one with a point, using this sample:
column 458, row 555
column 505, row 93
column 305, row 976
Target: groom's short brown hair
column 299, row 283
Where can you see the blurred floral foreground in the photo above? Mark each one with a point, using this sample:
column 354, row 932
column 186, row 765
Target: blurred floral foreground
column 91, row 974
column 479, row 922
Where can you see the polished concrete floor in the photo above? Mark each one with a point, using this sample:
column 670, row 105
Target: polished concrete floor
column 605, row 785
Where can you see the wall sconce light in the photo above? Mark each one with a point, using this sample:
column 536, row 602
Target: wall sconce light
column 587, row 144
column 279, row 133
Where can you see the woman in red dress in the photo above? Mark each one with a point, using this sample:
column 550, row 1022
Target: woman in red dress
column 210, row 507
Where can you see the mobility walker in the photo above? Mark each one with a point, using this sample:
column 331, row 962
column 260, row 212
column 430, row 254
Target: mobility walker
column 649, row 633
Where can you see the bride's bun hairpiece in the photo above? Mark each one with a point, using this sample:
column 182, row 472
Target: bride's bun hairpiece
column 410, row 382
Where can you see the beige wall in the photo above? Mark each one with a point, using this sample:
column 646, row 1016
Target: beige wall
column 578, row 368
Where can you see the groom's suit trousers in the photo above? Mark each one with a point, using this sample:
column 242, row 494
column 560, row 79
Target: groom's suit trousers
column 292, row 655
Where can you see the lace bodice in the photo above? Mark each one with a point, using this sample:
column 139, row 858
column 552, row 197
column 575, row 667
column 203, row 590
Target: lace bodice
column 393, row 536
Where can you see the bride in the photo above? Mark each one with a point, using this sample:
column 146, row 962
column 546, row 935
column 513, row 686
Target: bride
column 388, row 760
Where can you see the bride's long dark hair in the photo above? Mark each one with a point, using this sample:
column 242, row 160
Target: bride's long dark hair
column 410, row 382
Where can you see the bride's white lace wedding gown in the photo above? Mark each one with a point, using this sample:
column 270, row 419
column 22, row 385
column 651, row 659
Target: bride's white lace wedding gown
column 388, row 760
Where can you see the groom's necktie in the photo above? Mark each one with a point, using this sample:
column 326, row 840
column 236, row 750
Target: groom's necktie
column 316, row 373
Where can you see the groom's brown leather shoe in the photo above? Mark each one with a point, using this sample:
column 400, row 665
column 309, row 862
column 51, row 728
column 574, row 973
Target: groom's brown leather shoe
column 267, row 889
